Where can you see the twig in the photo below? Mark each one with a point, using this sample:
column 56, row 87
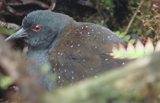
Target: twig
column 53, row 4
column 9, row 26
column 129, row 25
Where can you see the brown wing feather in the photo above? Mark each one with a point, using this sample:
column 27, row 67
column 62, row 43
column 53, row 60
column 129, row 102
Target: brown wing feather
column 82, row 52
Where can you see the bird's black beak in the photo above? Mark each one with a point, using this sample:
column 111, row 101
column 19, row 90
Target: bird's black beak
column 19, row 34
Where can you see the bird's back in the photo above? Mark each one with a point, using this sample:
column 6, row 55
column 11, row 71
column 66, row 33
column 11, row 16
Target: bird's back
column 82, row 51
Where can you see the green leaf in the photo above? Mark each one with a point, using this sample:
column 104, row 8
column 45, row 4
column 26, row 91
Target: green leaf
column 126, row 38
column 149, row 47
column 6, row 31
column 5, row 81
column 45, row 68
column 139, row 48
column 139, row 17
column 107, row 7
column 134, row 52
column 117, row 32
column 130, row 50
column 132, row 41
column 108, row 2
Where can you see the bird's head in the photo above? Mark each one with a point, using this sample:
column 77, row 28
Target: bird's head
column 41, row 27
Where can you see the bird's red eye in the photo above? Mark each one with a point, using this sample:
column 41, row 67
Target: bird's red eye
column 37, row 28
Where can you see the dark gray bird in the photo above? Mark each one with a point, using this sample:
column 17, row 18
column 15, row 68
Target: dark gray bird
column 73, row 50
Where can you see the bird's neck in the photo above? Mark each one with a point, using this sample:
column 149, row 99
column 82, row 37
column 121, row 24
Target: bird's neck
column 38, row 56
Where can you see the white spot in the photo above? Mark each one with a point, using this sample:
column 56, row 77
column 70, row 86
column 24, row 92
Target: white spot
column 108, row 37
column 91, row 68
column 71, row 46
column 82, row 27
column 92, row 30
column 84, row 60
column 88, row 33
column 59, row 53
column 65, row 70
column 72, row 77
column 59, row 77
column 86, row 26
column 106, row 59
column 83, row 76
column 78, row 44
column 123, row 63
column 72, row 72
column 95, row 76
column 56, row 64
column 62, row 65
column 80, row 32
column 54, row 69
column 155, row 6
column 106, row 53
column 96, row 47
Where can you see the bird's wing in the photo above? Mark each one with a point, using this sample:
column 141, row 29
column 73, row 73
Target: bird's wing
column 82, row 51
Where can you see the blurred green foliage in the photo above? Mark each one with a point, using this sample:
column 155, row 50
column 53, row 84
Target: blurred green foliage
column 45, row 69
column 108, row 2
column 5, row 81
column 6, row 31
column 126, row 37
column 116, row 15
